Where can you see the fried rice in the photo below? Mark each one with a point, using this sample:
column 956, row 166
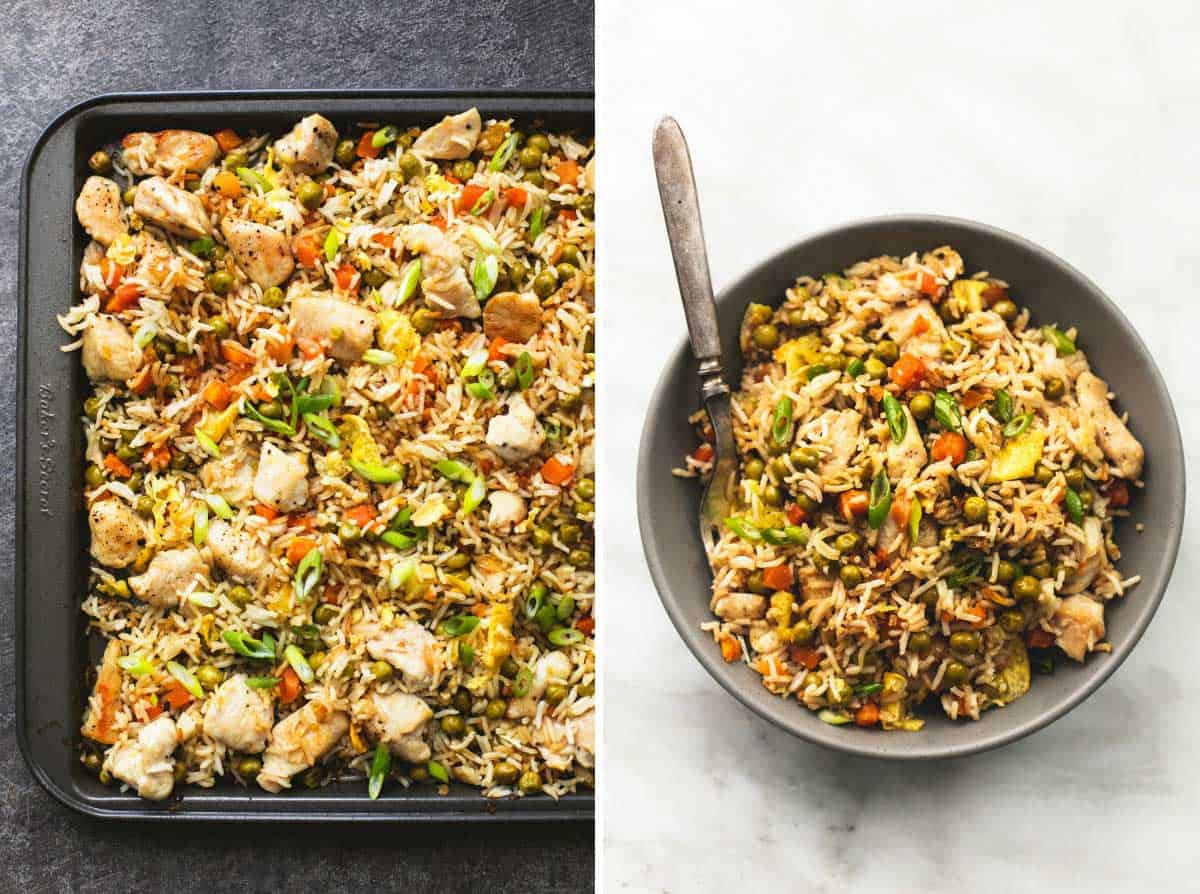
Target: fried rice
column 340, row 457
column 927, row 494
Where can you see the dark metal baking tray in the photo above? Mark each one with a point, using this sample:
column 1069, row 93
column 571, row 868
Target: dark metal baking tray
column 53, row 648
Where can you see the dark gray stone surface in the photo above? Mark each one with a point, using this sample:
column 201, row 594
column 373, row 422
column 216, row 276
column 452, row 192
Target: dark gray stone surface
column 56, row 54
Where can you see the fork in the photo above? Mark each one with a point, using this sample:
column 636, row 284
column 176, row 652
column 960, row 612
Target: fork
column 681, row 209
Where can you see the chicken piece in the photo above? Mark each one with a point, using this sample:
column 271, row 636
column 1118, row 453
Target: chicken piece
column 740, row 607
column 282, row 478
column 299, row 741
column 844, row 426
column 238, row 716
column 907, row 458
column 512, row 316
column 262, row 252
column 117, row 532
column 516, row 435
column 1080, row 623
column 146, row 762
column 308, row 148
column 231, row 476
column 506, row 510
column 916, row 329
column 108, row 351
column 346, row 329
column 175, row 210
column 453, row 137
column 444, row 284
column 409, row 648
column 1121, row 447
column 1090, row 555
column 563, row 742
column 237, row 553
column 99, row 209
column 154, row 258
column 168, row 151
column 106, row 697
column 168, row 575
column 398, row 720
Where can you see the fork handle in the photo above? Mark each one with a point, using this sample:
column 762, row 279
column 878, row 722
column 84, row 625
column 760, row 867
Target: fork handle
column 685, row 231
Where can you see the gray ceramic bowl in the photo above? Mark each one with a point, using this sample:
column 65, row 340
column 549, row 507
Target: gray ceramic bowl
column 1056, row 292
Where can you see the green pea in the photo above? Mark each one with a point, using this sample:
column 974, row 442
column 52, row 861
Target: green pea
column 311, row 195
column 956, row 673
column 91, row 407
column 887, row 351
column 1011, row 621
column 517, row 272
column 570, row 254
column 555, row 693
column 586, row 488
column 509, row 668
column 220, row 326
column 531, row 158
column 754, row 583
column 375, row 277
column 766, row 336
column 753, row 468
column 463, row 169
column 410, row 165
column 144, row 505
column 566, row 271
column 220, row 281
column 850, row 575
column 419, row 773
column 315, row 660
column 802, row 632
column 1026, row 588
column 539, row 141
column 209, row 677
column 325, row 613
column 462, row 702
column 1086, row 497
column 920, row 642
column 847, row 542
column 1041, row 570
column 349, row 532
column 1005, row 309
column 1055, row 388
column 530, row 783
column 381, row 670
column 544, row 284
column 345, row 153
column 975, row 509
column 921, row 405
column 875, row 368
column 127, row 454
column 542, row 536
column 579, row 558
column 569, row 533
column 534, row 178
column 964, row 642
column 423, row 320
column 1006, row 572
column 248, row 767
column 772, row 495
column 1075, row 478
column 807, row 503
column 1042, row 474
column 93, row 476
column 586, row 205
column 804, row 457
column 496, row 709
column 272, row 409
column 239, row 595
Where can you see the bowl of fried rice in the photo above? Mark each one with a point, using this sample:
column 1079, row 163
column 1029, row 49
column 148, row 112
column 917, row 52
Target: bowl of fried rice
column 959, row 496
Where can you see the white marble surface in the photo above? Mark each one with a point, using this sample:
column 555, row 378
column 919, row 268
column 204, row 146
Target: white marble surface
column 1074, row 126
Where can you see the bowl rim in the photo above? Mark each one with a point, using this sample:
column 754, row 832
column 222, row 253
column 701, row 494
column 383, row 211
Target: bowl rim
column 804, row 724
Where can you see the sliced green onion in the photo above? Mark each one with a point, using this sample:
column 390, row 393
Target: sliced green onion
column 945, row 409
column 200, row 525
column 817, row 369
column 186, row 678
column 523, row 682
column 454, row 470
column 479, row 391
column 374, row 472
column 485, row 240
column 483, row 202
column 474, row 495
column 565, row 608
column 565, row 636
column 247, row 646
column 276, row 425
column 203, row 599
column 484, row 273
column 135, row 665
column 202, row 247
column 503, row 154
column 262, row 682
column 381, row 765
column 868, row 688
column 533, row 603
column 398, row 539
column 145, row 334
column 781, row 422
column 383, row 136
column 1062, row 345
column 207, row 444
column 881, row 499
column 743, row 528
column 1018, row 425
column 775, row 536
column 1074, row 506
column 401, row 573
column 897, row 419
column 1003, row 406
column 537, row 222
column 308, row 573
column 299, row 663
column 254, row 179
column 333, row 241
column 322, row 429
column 401, row 519
column 524, row 369
column 459, row 625
column 408, row 281
column 378, row 358
column 437, row 771
column 855, row 368
column 915, row 511
column 833, row 718
column 219, row 505
column 475, row 364
column 552, row 428
column 466, row 654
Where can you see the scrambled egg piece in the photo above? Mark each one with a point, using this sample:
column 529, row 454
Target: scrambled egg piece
column 1018, row 458
column 396, row 334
